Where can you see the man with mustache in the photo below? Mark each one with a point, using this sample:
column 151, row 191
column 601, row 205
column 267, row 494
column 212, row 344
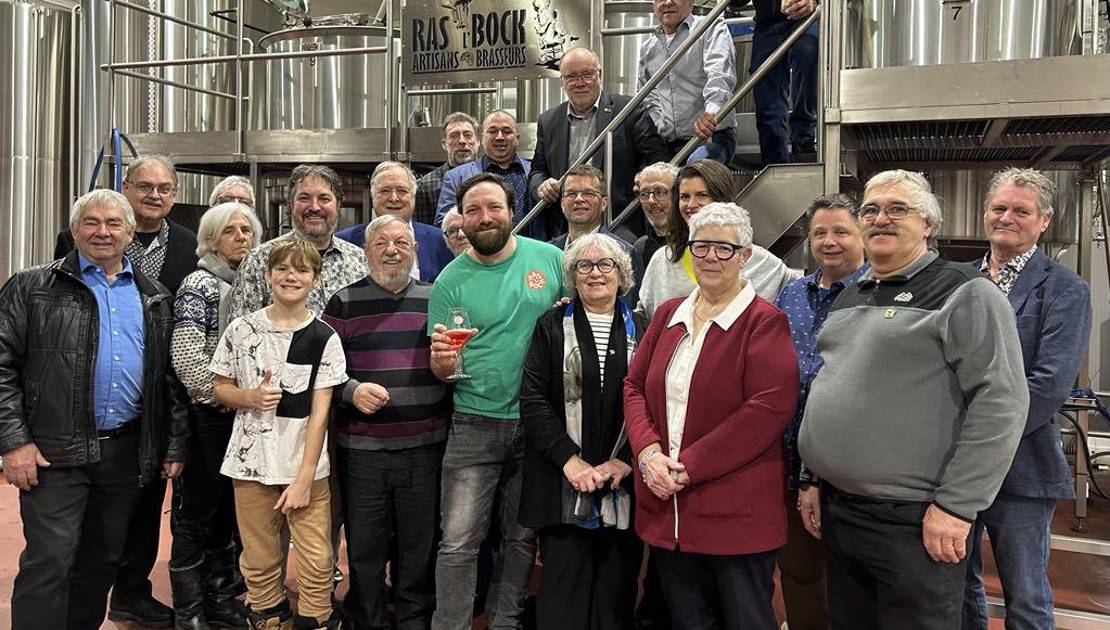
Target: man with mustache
column 913, row 420
column 390, row 427
column 314, row 194
column 460, row 142
column 505, row 282
column 499, row 156
column 836, row 244
column 391, row 189
column 1053, row 309
column 166, row 252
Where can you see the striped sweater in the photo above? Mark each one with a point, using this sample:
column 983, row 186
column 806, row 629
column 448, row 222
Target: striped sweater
column 385, row 341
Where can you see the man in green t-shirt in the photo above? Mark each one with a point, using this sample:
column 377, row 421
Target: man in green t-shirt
column 504, row 282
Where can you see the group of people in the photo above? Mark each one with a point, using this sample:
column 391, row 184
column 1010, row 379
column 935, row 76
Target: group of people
column 668, row 383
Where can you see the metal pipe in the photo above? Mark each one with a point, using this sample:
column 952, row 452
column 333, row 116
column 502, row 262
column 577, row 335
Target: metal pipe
column 390, row 78
column 240, row 132
column 111, row 74
column 608, row 176
column 623, row 114
column 438, row 91
column 74, row 66
column 176, row 84
column 731, row 103
column 200, row 61
column 619, row 31
column 173, row 18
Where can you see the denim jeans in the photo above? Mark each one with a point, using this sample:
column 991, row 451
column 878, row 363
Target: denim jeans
column 789, row 88
column 484, row 456
column 1019, row 532
column 720, row 148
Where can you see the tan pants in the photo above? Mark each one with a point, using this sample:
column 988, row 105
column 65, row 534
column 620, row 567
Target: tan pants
column 260, row 527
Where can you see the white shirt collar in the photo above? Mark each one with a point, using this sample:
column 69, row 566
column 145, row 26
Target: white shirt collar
column 684, row 314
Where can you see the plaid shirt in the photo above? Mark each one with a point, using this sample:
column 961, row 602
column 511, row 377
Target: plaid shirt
column 427, row 194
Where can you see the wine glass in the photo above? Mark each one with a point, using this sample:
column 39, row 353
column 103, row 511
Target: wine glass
column 458, row 332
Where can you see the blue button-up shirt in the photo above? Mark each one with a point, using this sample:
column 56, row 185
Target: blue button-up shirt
column 807, row 304
column 117, row 381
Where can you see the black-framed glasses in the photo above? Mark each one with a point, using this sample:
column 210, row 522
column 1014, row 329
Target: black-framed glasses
column 894, row 212
column 146, row 188
column 586, row 193
column 658, row 193
column 453, row 231
column 604, row 265
column 723, row 250
column 588, row 75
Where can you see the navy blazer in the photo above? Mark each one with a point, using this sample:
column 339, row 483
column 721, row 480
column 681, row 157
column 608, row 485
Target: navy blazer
column 1053, row 309
column 432, row 254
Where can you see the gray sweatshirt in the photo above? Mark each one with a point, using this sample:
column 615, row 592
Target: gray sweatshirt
column 922, row 396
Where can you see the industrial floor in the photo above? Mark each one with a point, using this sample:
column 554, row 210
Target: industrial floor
column 1081, row 582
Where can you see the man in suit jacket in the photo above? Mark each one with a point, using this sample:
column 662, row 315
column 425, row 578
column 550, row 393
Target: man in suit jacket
column 564, row 131
column 1053, row 308
column 392, row 188
column 166, row 251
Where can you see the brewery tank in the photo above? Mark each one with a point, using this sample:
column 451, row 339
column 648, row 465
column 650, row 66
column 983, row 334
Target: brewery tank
column 36, row 75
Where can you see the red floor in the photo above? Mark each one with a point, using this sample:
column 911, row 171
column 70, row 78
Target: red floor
column 1080, row 582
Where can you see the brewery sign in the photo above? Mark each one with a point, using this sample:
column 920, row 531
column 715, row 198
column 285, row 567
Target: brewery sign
column 467, row 41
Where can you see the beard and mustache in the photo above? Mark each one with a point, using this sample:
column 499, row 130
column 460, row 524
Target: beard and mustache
column 489, row 238
column 390, row 275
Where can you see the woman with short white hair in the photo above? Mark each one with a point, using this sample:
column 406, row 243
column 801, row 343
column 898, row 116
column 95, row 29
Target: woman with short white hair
column 202, row 558
column 232, row 188
column 577, row 488
column 707, row 398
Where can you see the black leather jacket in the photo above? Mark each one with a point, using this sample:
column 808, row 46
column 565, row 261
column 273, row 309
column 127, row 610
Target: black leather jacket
column 49, row 328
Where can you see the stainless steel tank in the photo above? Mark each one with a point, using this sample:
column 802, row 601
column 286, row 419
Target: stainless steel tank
column 884, row 33
column 962, row 192
column 37, row 77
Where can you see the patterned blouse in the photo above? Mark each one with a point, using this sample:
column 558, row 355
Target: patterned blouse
column 1009, row 271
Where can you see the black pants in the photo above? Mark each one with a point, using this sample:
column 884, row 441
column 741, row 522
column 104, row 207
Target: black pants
column 203, row 516
column 652, row 610
column 391, row 494
column 75, row 524
column 588, row 579
column 141, row 550
column 879, row 575
column 718, row 592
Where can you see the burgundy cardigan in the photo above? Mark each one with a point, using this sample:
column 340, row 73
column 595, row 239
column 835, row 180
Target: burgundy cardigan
column 742, row 396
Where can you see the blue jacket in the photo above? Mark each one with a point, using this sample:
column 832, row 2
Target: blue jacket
column 1053, row 309
column 432, row 254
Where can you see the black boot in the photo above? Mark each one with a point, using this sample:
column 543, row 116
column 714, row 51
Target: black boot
column 311, row 623
column 220, row 606
column 188, row 598
column 278, row 617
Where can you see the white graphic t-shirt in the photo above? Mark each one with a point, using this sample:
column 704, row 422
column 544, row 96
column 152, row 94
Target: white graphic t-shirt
column 268, row 447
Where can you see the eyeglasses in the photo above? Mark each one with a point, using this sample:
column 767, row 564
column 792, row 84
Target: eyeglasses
column 453, row 232
column 658, row 193
column 146, row 188
column 894, row 212
column 587, row 194
column 588, row 75
column 604, row 265
column 232, row 198
column 400, row 192
column 723, row 250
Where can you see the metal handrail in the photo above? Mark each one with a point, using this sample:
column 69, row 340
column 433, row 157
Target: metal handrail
column 201, row 61
column 620, row 31
column 173, row 18
column 441, row 91
column 729, row 105
column 624, row 113
column 176, row 84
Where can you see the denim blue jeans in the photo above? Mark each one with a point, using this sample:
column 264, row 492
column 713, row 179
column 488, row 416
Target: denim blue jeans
column 1019, row 533
column 720, row 148
column 789, row 89
column 483, row 460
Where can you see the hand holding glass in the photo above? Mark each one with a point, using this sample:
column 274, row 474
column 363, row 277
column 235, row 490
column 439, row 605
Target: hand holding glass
column 459, row 332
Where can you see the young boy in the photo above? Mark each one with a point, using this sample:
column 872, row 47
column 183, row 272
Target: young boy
column 277, row 366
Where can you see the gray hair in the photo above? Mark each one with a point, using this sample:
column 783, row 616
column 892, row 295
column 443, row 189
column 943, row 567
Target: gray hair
column 723, row 214
column 216, row 218
column 102, row 198
column 387, row 166
column 144, row 160
column 457, row 117
column 230, row 182
column 453, row 211
column 383, row 220
column 610, row 248
column 1042, row 185
column 304, row 171
column 921, row 195
column 660, row 169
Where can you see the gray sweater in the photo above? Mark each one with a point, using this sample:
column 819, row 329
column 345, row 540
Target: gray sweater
column 922, row 396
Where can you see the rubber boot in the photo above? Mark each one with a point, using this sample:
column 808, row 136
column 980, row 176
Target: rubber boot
column 187, row 586
column 220, row 606
column 278, row 617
